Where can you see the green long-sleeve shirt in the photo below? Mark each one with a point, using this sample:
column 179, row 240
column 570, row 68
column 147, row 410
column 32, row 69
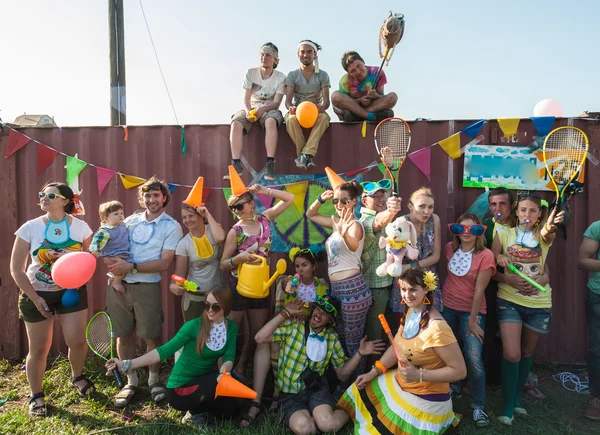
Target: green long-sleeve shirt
column 190, row 365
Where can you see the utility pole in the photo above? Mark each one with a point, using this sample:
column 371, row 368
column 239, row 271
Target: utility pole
column 117, row 63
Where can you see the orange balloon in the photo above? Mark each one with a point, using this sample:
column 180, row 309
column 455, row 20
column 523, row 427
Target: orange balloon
column 307, row 113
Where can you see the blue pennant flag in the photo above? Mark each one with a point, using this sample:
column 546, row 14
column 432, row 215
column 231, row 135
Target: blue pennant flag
column 543, row 124
column 172, row 187
column 471, row 130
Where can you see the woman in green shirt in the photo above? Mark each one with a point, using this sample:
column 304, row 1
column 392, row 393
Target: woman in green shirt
column 193, row 380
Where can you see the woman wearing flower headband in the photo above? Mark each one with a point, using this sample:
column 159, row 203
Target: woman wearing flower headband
column 414, row 398
column 429, row 242
column 525, row 246
column 251, row 235
column 344, row 250
column 470, row 267
column 45, row 239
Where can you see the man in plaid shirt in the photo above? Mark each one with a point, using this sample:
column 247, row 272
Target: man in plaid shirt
column 307, row 348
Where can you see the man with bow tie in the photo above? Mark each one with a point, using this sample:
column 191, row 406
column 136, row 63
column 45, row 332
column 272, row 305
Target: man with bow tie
column 307, row 348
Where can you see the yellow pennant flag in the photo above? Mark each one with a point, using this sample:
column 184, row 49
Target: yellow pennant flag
column 509, row 126
column 299, row 192
column 130, row 181
column 451, row 145
column 363, row 130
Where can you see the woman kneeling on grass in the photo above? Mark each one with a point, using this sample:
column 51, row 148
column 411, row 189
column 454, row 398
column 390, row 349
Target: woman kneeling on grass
column 414, row 398
column 193, row 381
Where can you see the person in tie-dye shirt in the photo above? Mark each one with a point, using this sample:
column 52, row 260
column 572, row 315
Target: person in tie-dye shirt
column 359, row 97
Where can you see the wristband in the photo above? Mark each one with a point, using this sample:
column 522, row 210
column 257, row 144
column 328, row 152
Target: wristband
column 126, row 365
column 413, row 264
column 231, row 262
column 269, row 192
column 380, row 366
column 377, row 370
column 421, row 371
column 320, row 199
column 359, row 354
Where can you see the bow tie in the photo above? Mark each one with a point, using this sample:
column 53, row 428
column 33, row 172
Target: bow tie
column 317, row 336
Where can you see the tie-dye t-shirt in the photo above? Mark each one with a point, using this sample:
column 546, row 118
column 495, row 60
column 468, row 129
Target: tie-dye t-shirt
column 350, row 86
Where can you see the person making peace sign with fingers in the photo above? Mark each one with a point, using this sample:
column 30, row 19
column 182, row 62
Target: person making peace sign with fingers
column 344, row 249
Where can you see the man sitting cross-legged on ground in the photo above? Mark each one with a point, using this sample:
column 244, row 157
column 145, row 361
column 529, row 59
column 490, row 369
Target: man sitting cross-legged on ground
column 307, row 348
column 359, row 98
column 307, row 83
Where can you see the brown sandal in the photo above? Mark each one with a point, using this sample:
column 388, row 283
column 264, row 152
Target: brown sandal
column 35, row 409
column 124, row 396
column 157, row 390
column 87, row 389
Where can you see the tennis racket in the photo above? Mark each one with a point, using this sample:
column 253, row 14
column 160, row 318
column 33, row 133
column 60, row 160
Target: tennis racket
column 392, row 141
column 564, row 152
column 101, row 340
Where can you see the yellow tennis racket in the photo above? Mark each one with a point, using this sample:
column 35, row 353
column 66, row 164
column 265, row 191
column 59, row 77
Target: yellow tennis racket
column 564, row 152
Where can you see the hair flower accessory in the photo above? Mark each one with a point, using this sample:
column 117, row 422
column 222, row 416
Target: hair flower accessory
column 430, row 280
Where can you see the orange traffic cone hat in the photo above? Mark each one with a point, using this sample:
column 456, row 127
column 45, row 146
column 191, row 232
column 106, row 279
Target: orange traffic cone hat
column 334, row 179
column 229, row 387
column 238, row 188
column 195, row 197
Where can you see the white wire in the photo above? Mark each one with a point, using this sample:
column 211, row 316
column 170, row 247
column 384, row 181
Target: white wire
column 572, row 382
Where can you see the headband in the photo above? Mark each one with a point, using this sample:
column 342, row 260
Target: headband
column 269, row 49
column 313, row 45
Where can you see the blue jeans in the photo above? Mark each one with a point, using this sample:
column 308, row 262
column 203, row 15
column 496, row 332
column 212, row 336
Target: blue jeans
column 459, row 322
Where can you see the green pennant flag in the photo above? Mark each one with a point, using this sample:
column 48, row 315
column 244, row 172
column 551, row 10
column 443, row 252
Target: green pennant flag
column 74, row 167
column 183, row 144
column 227, row 194
column 382, row 168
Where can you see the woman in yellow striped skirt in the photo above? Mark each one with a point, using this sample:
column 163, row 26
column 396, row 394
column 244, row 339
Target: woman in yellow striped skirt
column 415, row 398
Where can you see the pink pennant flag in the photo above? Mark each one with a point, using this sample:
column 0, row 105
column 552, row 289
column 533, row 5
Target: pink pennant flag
column 103, row 176
column 16, row 141
column 206, row 193
column 266, row 201
column 354, row 172
column 422, row 160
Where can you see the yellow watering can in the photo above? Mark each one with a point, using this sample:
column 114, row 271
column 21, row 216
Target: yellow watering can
column 253, row 278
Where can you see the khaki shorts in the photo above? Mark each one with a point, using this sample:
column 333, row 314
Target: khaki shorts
column 29, row 313
column 195, row 310
column 139, row 307
column 240, row 116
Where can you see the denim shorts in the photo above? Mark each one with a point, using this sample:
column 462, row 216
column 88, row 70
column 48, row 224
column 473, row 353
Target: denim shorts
column 536, row 319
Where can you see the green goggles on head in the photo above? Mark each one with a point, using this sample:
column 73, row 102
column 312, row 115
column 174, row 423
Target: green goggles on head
column 374, row 186
column 324, row 303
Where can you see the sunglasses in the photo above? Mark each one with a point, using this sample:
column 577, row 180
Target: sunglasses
column 342, row 200
column 214, row 307
column 476, row 230
column 324, row 303
column 238, row 207
column 306, row 251
column 152, row 186
column 373, row 186
column 51, row 195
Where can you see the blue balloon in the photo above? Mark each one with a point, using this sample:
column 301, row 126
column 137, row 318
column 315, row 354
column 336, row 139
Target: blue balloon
column 70, row 298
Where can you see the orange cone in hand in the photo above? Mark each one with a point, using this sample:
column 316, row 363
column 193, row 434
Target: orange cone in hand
column 229, row 387
column 194, row 199
column 238, row 188
column 334, row 179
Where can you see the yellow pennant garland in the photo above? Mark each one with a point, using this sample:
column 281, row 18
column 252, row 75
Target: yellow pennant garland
column 509, row 126
column 299, row 192
column 451, row 145
column 130, row 181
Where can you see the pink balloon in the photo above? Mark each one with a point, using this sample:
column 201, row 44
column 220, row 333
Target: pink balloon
column 548, row 107
column 74, row 269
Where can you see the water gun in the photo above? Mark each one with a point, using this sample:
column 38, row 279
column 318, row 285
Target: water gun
column 189, row 286
column 388, row 331
column 295, row 280
column 535, row 284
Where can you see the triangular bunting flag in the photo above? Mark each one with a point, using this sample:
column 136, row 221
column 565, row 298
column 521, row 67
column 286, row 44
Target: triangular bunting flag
column 471, row 130
column 183, row 144
column 299, row 191
column 351, row 174
column 206, row 193
column 266, row 201
column 16, row 141
column 543, row 124
column 46, row 156
column 172, row 187
column 130, row 181
column 74, row 167
column 509, row 126
column 422, row 160
column 382, row 168
column 451, row 145
column 103, row 175
column 226, row 193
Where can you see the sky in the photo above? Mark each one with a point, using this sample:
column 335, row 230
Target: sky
column 462, row 59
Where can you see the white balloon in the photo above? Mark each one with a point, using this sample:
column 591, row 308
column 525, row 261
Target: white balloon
column 548, row 107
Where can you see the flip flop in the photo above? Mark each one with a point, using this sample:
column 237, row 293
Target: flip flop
column 124, row 396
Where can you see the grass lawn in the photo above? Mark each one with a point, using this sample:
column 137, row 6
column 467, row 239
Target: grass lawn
column 560, row 413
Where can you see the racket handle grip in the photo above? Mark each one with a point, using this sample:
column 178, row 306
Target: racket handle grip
column 384, row 324
column 118, row 378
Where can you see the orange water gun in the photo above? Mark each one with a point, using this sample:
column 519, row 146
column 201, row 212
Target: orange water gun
column 188, row 285
column 388, row 331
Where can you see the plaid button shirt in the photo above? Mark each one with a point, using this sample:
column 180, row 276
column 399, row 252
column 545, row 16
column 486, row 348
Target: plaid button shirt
column 372, row 256
column 293, row 359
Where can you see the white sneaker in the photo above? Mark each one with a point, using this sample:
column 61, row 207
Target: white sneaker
column 480, row 418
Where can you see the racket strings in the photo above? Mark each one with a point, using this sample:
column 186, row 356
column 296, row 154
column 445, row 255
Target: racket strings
column 393, row 141
column 565, row 151
column 99, row 337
